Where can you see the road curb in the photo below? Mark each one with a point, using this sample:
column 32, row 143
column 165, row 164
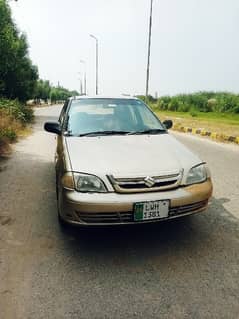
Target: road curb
column 213, row 135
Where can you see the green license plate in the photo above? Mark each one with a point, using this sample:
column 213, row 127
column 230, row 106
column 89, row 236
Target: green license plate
column 151, row 210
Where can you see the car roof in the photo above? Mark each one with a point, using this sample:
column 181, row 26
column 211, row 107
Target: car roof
column 126, row 97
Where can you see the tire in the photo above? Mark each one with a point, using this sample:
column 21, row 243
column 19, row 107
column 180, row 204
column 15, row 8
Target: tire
column 62, row 223
column 56, row 187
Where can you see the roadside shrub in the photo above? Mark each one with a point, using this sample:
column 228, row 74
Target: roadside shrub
column 183, row 107
column 13, row 117
column 163, row 102
column 173, row 104
column 17, row 110
column 223, row 102
column 8, row 133
column 193, row 111
column 212, row 102
column 161, row 105
column 236, row 108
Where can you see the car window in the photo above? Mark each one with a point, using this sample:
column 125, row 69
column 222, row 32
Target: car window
column 146, row 118
column 93, row 115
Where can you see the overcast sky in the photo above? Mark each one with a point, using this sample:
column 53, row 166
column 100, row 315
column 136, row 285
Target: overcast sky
column 195, row 43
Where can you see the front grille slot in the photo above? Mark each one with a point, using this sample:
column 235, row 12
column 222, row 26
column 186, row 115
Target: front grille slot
column 111, row 218
column 146, row 183
column 175, row 211
column 142, row 185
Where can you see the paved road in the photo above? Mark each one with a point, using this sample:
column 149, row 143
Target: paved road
column 180, row 269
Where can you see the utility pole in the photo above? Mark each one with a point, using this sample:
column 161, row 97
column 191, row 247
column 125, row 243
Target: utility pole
column 96, row 63
column 149, row 51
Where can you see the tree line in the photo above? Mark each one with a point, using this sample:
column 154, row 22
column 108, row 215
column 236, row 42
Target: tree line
column 222, row 102
column 19, row 78
column 44, row 91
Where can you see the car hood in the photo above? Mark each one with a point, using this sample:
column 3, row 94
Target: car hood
column 129, row 155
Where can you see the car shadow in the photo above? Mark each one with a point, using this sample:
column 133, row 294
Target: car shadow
column 153, row 239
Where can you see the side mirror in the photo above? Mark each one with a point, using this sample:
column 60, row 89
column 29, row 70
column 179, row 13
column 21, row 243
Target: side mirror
column 168, row 124
column 52, row 127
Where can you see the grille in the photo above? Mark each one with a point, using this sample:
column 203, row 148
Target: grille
column 174, row 211
column 146, row 183
column 127, row 217
column 105, row 218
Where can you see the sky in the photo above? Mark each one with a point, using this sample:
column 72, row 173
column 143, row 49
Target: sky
column 195, row 43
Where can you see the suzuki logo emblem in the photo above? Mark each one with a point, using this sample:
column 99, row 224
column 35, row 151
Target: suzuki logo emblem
column 149, row 181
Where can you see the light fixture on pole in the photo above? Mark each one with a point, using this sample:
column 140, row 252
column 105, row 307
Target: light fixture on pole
column 97, row 63
column 83, row 62
column 149, row 50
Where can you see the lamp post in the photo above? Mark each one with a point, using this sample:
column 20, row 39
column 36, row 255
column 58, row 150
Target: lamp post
column 149, row 51
column 97, row 63
column 81, row 86
column 83, row 62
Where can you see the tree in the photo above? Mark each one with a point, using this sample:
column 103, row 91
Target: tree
column 42, row 91
column 59, row 94
column 18, row 76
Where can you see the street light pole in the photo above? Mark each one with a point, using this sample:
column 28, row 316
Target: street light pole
column 149, row 51
column 96, row 63
column 80, row 79
column 83, row 62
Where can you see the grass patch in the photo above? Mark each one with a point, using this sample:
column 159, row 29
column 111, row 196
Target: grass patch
column 221, row 123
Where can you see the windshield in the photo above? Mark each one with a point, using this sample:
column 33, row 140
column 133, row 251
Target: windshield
column 111, row 116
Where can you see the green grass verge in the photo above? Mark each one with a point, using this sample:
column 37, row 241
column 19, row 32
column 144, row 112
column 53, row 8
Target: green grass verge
column 222, row 123
column 231, row 119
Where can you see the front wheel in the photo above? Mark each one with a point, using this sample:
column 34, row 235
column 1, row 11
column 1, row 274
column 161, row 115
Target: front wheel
column 63, row 224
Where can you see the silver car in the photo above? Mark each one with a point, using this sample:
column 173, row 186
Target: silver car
column 116, row 163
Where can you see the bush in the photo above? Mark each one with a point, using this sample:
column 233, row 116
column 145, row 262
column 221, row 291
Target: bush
column 236, row 108
column 17, row 110
column 183, row 107
column 193, row 111
column 13, row 117
column 8, row 133
column 173, row 104
column 223, row 102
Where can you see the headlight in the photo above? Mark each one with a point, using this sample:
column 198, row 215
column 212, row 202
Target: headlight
column 197, row 174
column 67, row 181
column 88, row 183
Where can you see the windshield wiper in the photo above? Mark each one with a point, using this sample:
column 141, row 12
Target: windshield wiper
column 150, row 131
column 98, row 133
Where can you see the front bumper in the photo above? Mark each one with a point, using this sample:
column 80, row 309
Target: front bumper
column 117, row 209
